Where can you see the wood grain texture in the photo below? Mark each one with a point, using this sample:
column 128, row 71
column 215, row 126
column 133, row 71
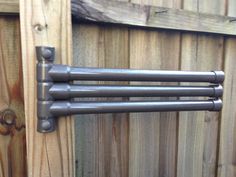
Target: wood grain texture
column 46, row 23
column 160, row 144
column 86, row 52
column 211, row 48
column 102, row 140
column 150, row 16
column 153, row 135
column 146, row 16
column 226, row 164
column 12, row 120
column 227, row 144
column 197, row 148
column 8, row 7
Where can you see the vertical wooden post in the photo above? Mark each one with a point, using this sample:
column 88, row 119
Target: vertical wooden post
column 46, row 22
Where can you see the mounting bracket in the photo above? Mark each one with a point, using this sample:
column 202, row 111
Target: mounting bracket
column 55, row 90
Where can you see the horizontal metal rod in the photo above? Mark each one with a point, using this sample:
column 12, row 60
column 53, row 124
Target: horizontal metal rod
column 67, row 73
column 66, row 91
column 61, row 108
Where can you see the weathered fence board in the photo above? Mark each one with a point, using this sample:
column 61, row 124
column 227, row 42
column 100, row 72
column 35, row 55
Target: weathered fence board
column 198, row 131
column 12, row 120
column 129, row 13
column 159, row 144
column 8, row 7
column 153, row 135
column 86, row 40
column 104, row 138
column 227, row 143
column 132, row 13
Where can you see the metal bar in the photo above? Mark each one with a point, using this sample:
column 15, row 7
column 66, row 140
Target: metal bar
column 49, row 91
column 66, row 91
column 66, row 73
column 61, row 108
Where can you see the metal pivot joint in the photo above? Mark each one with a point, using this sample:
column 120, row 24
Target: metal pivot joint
column 45, row 57
column 55, row 91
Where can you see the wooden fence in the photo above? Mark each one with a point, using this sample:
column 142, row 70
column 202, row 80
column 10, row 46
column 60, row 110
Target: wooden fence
column 12, row 117
column 185, row 144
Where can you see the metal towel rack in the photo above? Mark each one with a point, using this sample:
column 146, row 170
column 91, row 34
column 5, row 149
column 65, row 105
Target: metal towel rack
column 55, row 92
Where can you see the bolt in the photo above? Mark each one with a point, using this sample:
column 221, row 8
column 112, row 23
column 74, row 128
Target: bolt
column 46, row 125
column 9, row 117
column 46, row 53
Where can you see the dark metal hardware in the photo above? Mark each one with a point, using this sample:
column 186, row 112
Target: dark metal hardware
column 66, row 91
column 64, row 108
column 65, row 73
column 55, row 91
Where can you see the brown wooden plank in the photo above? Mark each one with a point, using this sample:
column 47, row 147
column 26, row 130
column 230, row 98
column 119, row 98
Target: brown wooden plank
column 197, row 150
column 150, row 16
column 116, row 52
column 226, row 165
column 139, row 15
column 153, row 135
column 227, row 144
column 102, row 143
column 86, row 53
column 46, row 23
column 8, row 7
column 12, row 126
column 211, row 48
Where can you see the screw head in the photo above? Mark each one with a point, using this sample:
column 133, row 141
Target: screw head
column 46, row 125
column 46, row 53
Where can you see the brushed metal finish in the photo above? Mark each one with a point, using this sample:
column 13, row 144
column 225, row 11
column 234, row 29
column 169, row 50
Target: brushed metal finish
column 54, row 90
column 61, row 108
column 67, row 73
column 67, row 91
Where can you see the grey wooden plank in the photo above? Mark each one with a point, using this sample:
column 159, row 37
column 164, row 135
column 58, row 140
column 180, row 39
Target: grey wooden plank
column 226, row 166
column 102, row 140
column 8, row 7
column 198, row 131
column 128, row 13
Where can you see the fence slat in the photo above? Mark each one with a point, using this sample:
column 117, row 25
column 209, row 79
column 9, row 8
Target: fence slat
column 227, row 143
column 197, row 149
column 153, row 142
column 152, row 16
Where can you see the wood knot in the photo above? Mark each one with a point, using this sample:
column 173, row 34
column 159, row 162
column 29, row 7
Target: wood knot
column 39, row 28
column 7, row 117
column 8, row 122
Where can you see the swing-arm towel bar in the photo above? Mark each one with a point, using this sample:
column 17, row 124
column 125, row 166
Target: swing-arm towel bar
column 64, row 108
column 56, row 92
column 64, row 73
column 67, row 91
